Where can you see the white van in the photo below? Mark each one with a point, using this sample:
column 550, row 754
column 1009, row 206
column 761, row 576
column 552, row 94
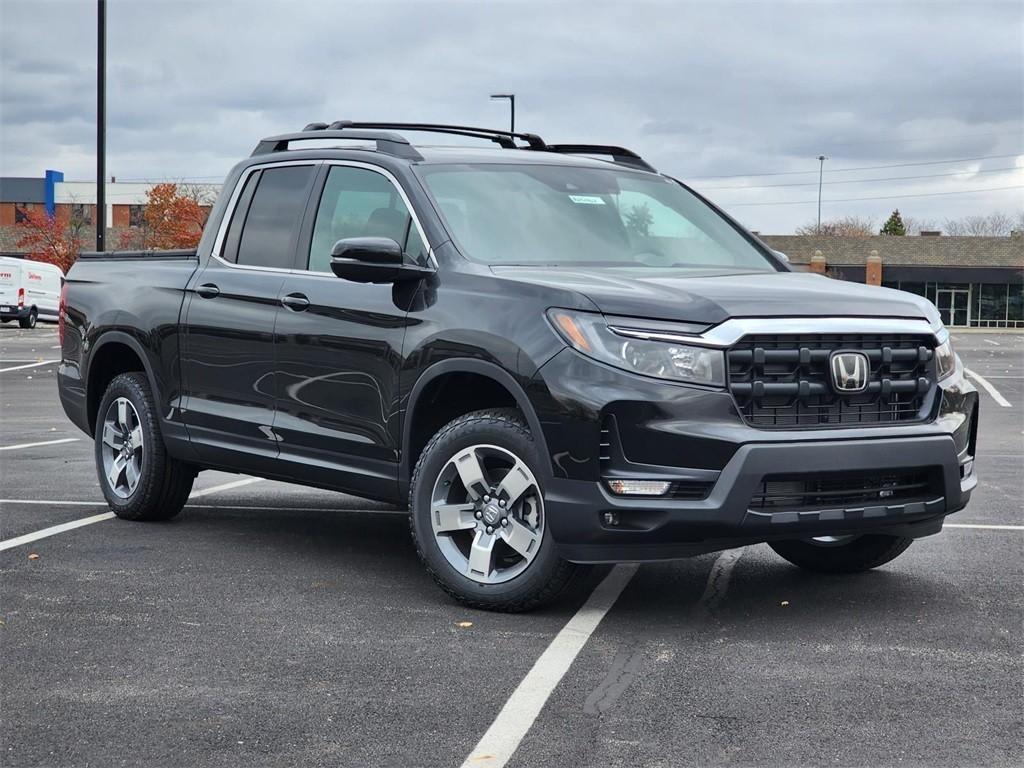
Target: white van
column 29, row 291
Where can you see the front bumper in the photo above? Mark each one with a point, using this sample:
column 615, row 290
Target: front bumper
column 658, row 529
column 674, row 432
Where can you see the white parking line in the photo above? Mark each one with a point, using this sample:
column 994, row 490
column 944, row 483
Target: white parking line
column 55, row 502
column 30, row 365
column 501, row 740
column 994, row 343
column 54, row 530
column 17, row 541
column 225, row 487
column 34, row 445
column 985, row 527
column 988, row 388
column 333, row 510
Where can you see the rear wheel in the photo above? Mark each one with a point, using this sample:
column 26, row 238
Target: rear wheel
column 842, row 554
column 30, row 321
column 476, row 509
column 139, row 480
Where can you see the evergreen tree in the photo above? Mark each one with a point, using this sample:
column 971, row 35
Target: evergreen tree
column 894, row 225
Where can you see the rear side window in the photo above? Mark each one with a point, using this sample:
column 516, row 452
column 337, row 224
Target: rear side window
column 229, row 252
column 357, row 202
column 271, row 224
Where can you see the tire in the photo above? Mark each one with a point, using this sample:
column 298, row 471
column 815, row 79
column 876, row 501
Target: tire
column 862, row 553
column 161, row 484
column 498, row 442
column 30, row 321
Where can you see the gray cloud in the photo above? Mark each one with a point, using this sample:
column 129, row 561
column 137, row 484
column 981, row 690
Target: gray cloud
column 701, row 89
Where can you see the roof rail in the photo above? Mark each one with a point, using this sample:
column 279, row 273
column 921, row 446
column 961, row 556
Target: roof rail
column 505, row 139
column 619, row 155
column 397, row 145
column 388, row 143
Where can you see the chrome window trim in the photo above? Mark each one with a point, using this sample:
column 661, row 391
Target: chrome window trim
column 401, row 193
column 229, row 211
column 729, row 332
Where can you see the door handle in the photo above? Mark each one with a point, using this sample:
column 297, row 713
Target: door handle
column 208, row 290
column 295, row 302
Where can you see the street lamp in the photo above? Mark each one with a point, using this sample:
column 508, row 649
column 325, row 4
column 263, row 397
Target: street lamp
column 511, row 103
column 821, row 172
column 101, row 125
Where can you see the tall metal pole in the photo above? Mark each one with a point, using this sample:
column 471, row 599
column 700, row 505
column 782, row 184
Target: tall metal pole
column 101, row 125
column 512, row 106
column 821, row 173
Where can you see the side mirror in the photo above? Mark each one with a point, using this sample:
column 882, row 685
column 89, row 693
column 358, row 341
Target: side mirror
column 373, row 260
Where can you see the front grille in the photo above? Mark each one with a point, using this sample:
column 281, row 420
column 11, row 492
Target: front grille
column 784, row 381
column 830, row 490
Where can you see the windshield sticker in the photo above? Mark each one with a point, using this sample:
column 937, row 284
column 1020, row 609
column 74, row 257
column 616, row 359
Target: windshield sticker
column 586, row 199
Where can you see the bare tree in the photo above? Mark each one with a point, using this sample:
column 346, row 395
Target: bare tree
column 204, row 195
column 996, row 224
column 915, row 225
column 847, row 226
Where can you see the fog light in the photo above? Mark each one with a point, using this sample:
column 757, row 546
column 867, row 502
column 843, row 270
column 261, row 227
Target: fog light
column 639, row 487
column 967, row 468
column 611, row 518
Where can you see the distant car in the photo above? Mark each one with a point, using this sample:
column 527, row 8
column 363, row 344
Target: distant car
column 29, row 291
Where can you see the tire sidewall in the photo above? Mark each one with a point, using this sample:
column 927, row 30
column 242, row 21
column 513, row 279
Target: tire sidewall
column 134, row 388
column 491, row 430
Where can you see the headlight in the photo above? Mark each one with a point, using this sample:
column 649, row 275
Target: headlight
column 945, row 360
column 641, row 346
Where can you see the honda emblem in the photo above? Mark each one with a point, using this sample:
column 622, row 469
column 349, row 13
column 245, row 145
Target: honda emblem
column 850, row 372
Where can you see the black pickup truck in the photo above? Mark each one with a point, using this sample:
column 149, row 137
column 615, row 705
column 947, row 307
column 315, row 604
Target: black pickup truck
column 553, row 354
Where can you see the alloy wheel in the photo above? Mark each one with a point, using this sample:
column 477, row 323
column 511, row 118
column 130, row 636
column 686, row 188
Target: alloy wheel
column 123, row 447
column 487, row 514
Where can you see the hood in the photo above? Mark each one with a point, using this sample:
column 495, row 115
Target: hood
column 713, row 298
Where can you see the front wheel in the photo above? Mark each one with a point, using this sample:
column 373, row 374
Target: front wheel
column 139, row 480
column 476, row 509
column 842, row 554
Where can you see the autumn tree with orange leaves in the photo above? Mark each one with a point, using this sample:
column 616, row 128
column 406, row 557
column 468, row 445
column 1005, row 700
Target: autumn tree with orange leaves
column 173, row 218
column 55, row 239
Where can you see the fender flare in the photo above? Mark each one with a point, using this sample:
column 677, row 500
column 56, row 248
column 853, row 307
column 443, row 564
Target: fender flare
column 482, row 368
column 120, row 337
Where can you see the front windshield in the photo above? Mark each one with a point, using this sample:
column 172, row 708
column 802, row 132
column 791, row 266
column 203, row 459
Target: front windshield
column 561, row 215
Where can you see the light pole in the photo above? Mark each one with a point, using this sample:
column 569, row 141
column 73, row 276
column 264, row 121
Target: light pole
column 101, row 125
column 511, row 103
column 821, row 173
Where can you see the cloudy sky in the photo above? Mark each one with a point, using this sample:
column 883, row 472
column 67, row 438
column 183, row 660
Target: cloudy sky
column 909, row 101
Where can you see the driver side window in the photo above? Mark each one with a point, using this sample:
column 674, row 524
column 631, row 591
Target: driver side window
column 357, row 202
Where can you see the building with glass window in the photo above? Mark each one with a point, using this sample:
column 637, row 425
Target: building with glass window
column 974, row 282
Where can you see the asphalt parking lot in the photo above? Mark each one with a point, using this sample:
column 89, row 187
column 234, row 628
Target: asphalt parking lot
column 276, row 625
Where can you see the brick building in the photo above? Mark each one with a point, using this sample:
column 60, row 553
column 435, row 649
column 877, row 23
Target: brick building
column 974, row 281
column 125, row 204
